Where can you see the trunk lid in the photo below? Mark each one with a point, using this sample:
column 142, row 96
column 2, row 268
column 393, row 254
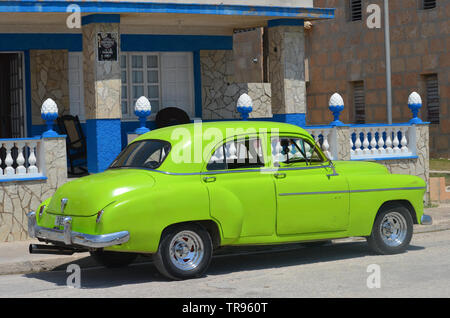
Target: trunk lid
column 88, row 195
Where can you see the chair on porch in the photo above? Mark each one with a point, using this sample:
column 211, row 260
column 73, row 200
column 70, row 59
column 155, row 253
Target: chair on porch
column 76, row 143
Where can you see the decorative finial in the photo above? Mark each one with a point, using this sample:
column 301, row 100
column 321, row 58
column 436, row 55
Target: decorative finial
column 49, row 112
column 244, row 106
column 336, row 106
column 142, row 109
column 415, row 104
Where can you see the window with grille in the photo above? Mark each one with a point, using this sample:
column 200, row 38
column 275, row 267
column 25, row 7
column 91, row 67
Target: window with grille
column 359, row 102
column 355, row 10
column 428, row 4
column 166, row 79
column 432, row 98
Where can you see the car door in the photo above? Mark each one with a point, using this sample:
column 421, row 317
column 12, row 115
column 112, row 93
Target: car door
column 242, row 196
column 310, row 197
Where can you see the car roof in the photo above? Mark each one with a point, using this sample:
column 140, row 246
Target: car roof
column 167, row 133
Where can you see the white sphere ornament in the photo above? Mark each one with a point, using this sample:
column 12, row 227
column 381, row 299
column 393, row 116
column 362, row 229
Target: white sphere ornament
column 49, row 107
column 336, row 100
column 244, row 105
column 414, row 98
column 142, row 109
column 143, row 104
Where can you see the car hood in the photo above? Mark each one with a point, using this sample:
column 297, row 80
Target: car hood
column 88, row 195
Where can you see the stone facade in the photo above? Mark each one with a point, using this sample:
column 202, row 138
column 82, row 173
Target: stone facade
column 220, row 93
column 287, row 69
column 20, row 197
column 340, row 52
column 49, row 79
column 102, row 82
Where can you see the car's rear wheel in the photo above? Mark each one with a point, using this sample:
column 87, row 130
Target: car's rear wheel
column 113, row 259
column 185, row 251
column 392, row 231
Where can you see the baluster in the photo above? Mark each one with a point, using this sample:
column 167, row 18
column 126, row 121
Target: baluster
column 404, row 141
column 352, row 152
column 32, row 158
column 9, row 170
column 366, row 143
column 381, row 149
column 231, row 151
column 20, row 158
column 373, row 142
column 358, row 143
column 326, row 144
column 388, row 141
column 396, row 142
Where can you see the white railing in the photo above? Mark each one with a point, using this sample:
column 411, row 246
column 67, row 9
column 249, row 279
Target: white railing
column 379, row 142
column 21, row 159
column 326, row 137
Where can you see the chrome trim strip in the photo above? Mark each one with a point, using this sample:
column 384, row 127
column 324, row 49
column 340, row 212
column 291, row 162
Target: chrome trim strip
column 262, row 170
column 350, row 191
column 69, row 237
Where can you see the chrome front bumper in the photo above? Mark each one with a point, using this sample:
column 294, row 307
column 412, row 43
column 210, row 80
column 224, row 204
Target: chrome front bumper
column 426, row 220
column 68, row 237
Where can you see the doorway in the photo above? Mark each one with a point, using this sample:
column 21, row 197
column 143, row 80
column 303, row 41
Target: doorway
column 12, row 105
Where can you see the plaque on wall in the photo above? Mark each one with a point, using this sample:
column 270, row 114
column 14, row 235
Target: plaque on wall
column 107, row 46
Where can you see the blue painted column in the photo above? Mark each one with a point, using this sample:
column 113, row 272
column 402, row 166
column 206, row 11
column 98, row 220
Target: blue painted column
column 102, row 85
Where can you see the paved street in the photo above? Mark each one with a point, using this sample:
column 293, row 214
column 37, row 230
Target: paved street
column 339, row 270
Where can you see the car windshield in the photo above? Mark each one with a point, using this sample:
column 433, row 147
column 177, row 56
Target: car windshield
column 148, row 154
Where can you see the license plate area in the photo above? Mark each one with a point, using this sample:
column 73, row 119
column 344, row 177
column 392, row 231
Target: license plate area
column 59, row 220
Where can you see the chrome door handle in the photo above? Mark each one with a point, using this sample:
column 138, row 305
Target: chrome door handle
column 209, row 179
column 279, row 175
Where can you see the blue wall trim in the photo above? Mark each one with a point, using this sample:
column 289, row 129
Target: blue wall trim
column 103, row 143
column 180, row 8
column 25, row 179
column 154, row 42
column 100, row 18
column 285, row 22
column 40, row 41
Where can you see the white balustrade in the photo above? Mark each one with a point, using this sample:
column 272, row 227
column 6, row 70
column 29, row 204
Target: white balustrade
column 326, row 138
column 379, row 142
column 20, row 160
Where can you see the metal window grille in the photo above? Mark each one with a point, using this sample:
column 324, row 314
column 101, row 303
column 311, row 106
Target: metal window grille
column 428, row 4
column 359, row 102
column 432, row 91
column 355, row 10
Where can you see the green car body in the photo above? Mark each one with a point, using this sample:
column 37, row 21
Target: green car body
column 268, row 204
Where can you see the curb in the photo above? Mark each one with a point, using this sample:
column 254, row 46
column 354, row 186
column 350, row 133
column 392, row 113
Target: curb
column 85, row 261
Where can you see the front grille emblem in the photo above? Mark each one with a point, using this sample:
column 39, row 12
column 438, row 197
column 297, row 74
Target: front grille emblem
column 63, row 204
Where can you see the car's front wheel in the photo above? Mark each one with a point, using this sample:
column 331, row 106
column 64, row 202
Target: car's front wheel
column 392, row 231
column 185, row 251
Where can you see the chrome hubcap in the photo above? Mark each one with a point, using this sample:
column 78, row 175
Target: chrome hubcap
column 186, row 250
column 393, row 229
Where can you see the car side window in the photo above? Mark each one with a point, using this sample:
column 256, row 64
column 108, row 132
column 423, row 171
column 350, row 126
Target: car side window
column 238, row 154
column 288, row 150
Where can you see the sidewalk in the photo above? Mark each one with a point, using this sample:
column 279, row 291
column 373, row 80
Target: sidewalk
column 15, row 258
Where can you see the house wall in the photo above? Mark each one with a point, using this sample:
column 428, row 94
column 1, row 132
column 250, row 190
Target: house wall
column 49, row 79
column 17, row 198
column 340, row 52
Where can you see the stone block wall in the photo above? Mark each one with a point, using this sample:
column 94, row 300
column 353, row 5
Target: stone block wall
column 49, row 79
column 17, row 198
column 341, row 52
column 220, row 92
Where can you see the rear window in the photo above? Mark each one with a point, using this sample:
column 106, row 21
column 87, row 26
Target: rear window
column 148, row 154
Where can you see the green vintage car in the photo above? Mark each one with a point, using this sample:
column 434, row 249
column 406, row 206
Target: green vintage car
column 180, row 192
